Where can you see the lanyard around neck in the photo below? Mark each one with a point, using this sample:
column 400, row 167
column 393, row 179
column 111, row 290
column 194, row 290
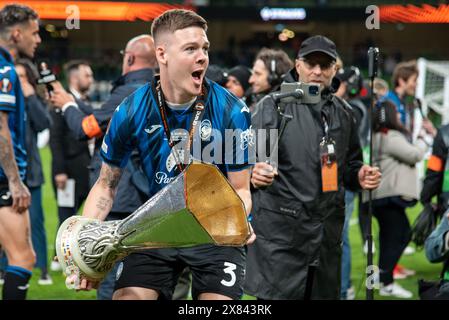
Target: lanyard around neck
column 199, row 109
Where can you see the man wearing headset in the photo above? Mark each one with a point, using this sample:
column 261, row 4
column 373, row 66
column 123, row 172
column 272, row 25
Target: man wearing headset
column 268, row 69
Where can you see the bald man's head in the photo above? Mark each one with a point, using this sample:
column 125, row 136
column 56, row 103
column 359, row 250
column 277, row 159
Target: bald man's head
column 139, row 54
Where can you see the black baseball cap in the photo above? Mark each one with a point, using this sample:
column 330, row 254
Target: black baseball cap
column 242, row 74
column 318, row 44
column 216, row 73
column 343, row 74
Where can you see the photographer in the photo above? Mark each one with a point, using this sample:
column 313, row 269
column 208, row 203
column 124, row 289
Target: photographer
column 299, row 207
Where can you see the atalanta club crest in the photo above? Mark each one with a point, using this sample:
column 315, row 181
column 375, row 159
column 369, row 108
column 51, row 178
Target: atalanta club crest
column 206, row 130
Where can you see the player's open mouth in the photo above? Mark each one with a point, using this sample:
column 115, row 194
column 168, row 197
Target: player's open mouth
column 197, row 76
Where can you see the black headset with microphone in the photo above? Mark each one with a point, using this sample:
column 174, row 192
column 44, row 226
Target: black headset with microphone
column 273, row 77
column 354, row 82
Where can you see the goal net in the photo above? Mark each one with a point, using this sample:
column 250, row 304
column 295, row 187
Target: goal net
column 433, row 88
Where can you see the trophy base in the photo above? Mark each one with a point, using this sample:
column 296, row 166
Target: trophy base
column 69, row 252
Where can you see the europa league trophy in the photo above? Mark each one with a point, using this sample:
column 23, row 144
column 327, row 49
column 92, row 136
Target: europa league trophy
column 198, row 207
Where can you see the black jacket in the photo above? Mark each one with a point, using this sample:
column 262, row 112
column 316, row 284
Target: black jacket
column 122, row 87
column 128, row 198
column 297, row 225
column 252, row 99
column 433, row 181
column 38, row 119
column 69, row 155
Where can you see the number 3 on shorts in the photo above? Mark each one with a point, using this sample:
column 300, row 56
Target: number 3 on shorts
column 229, row 269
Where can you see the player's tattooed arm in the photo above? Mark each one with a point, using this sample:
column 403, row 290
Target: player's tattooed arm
column 110, row 176
column 101, row 197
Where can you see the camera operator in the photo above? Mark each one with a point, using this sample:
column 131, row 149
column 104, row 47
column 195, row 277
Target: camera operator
column 299, row 207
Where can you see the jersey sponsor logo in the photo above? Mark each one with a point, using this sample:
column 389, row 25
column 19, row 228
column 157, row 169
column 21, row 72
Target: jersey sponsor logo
column 163, row 178
column 247, row 138
column 6, row 85
column 205, row 130
column 6, row 196
column 5, row 69
column 153, row 128
column 244, row 109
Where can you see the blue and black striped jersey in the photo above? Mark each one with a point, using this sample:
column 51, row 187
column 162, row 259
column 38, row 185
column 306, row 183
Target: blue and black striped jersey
column 224, row 136
column 12, row 101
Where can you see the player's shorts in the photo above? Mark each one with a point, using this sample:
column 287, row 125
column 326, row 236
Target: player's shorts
column 214, row 269
column 5, row 195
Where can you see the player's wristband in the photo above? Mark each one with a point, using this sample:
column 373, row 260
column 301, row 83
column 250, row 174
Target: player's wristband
column 250, row 217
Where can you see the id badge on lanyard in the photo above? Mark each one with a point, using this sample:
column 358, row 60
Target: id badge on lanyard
column 328, row 159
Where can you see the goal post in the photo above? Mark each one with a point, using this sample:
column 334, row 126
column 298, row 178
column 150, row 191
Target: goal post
column 433, row 87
